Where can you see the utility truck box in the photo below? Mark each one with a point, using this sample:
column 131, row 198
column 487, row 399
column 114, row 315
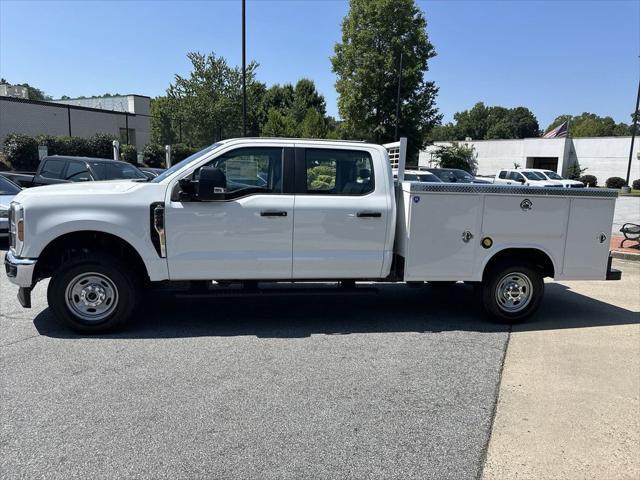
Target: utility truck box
column 451, row 231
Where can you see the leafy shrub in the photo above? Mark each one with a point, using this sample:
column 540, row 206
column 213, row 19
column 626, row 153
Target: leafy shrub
column 180, row 151
column 21, row 151
column 128, row 153
column 636, row 184
column 589, row 180
column 615, row 182
column 154, row 155
column 55, row 145
column 76, row 147
column 101, row 145
column 574, row 172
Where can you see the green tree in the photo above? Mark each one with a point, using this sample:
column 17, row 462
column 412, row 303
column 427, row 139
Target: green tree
column 313, row 125
column 165, row 123
column 366, row 61
column 279, row 125
column 306, row 97
column 484, row 123
column 209, row 100
column 457, row 155
column 591, row 125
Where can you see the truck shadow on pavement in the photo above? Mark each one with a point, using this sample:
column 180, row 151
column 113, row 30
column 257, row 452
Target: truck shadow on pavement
column 395, row 309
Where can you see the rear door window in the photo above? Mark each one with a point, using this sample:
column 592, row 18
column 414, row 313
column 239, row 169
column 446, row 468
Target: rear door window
column 503, row 174
column 52, row 168
column 338, row 172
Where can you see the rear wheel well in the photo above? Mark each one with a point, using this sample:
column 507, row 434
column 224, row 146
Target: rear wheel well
column 67, row 246
column 533, row 256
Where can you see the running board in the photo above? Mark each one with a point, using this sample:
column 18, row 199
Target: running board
column 222, row 292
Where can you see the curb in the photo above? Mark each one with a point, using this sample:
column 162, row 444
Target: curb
column 634, row 257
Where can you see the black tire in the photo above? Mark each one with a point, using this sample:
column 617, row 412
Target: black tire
column 111, row 275
column 513, row 279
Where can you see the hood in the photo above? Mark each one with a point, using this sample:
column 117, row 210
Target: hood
column 112, row 187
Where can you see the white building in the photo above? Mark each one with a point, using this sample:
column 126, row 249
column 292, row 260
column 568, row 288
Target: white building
column 603, row 157
column 126, row 117
column 17, row 91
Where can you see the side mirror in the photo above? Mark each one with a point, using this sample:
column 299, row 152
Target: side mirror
column 212, row 184
column 522, row 181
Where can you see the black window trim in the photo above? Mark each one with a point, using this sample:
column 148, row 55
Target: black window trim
column 301, row 173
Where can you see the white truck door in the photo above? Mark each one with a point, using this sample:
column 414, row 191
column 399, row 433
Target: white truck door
column 246, row 235
column 342, row 208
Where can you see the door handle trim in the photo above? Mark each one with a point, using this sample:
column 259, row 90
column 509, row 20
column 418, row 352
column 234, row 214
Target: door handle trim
column 273, row 214
column 369, row 214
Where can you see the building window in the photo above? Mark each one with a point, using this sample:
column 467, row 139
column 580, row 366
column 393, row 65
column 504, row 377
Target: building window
column 132, row 136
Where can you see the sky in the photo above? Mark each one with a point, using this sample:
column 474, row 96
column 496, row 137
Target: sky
column 554, row 57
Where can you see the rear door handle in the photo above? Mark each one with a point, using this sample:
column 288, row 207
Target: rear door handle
column 273, row 214
column 369, row 214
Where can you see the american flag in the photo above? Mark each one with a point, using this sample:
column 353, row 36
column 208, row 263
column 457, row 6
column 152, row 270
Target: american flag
column 560, row 131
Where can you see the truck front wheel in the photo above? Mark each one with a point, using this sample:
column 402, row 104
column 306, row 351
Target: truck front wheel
column 512, row 291
column 94, row 293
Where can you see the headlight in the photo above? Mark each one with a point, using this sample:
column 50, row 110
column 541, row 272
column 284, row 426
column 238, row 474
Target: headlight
column 16, row 228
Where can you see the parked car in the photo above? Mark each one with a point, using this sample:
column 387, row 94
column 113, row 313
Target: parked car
column 252, row 210
column 63, row 169
column 522, row 177
column 418, row 176
column 554, row 177
column 151, row 172
column 8, row 190
column 455, row 175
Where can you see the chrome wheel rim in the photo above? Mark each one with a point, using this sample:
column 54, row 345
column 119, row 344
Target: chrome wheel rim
column 91, row 296
column 514, row 292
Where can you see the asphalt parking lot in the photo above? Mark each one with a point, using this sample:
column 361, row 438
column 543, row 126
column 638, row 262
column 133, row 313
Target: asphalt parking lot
column 402, row 384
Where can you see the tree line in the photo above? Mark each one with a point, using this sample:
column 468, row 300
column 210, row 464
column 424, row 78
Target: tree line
column 206, row 105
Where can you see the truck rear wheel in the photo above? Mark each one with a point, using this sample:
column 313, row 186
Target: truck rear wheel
column 512, row 291
column 95, row 293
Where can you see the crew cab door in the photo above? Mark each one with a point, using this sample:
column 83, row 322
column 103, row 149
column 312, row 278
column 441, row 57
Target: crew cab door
column 342, row 209
column 248, row 234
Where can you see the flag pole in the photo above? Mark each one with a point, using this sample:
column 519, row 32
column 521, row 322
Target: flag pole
column 633, row 133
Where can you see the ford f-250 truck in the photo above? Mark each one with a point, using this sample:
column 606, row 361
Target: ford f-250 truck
column 245, row 211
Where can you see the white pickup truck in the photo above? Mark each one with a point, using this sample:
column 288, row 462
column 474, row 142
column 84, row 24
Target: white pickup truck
column 245, row 211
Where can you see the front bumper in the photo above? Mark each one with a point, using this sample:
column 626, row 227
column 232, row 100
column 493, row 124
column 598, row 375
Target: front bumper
column 19, row 270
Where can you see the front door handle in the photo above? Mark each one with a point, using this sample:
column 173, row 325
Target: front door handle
column 369, row 214
column 273, row 214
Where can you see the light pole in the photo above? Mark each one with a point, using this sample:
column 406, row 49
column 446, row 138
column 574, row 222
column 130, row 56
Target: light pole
column 244, row 72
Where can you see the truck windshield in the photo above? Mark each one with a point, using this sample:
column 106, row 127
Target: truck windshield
column 7, row 187
column 185, row 162
column 533, row 176
column 552, row 175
